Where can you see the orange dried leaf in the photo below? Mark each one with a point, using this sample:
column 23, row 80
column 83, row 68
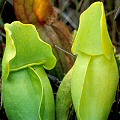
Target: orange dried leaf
column 35, row 10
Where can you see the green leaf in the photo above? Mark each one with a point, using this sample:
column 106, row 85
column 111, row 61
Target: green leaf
column 92, row 36
column 27, row 48
column 48, row 112
column 63, row 98
column 26, row 91
column 20, row 95
column 95, row 73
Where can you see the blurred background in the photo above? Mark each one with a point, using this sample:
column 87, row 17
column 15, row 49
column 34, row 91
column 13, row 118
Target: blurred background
column 68, row 12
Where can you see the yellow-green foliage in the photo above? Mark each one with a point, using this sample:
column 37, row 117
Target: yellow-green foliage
column 26, row 90
column 95, row 73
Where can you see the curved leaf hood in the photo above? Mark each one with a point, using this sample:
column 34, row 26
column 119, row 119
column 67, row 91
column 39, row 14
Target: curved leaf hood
column 36, row 52
column 92, row 36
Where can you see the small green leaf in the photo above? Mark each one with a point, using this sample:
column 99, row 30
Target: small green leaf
column 63, row 98
column 48, row 112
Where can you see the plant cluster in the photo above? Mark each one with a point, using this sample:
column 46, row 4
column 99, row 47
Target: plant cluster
column 88, row 82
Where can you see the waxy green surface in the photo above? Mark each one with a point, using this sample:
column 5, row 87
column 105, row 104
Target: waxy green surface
column 26, row 90
column 95, row 73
